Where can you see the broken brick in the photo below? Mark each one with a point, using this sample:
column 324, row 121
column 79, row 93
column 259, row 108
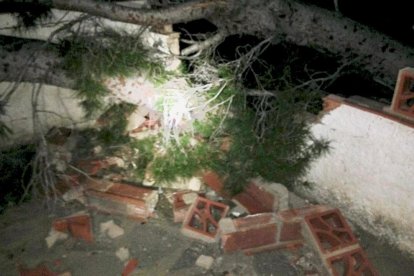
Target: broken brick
column 92, row 167
column 118, row 198
column 130, row 267
column 332, row 238
column 291, row 231
column 201, row 221
column 180, row 207
column 256, row 199
column 330, row 230
column 60, row 225
column 403, row 99
column 213, row 180
column 40, row 270
column 351, row 263
column 250, row 232
column 78, row 225
column 332, row 102
column 299, row 213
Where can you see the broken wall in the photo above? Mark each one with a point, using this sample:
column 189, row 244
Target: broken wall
column 59, row 106
column 56, row 106
column 368, row 172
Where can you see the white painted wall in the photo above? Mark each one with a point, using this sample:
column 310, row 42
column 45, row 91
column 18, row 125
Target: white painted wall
column 60, row 106
column 369, row 172
column 57, row 107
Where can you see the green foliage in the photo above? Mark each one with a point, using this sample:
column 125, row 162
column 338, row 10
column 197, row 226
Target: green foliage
column 278, row 147
column 182, row 160
column 115, row 122
column 90, row 59
column 225, row 72
column 15, row 174
column 206, row 128
column 145, row 149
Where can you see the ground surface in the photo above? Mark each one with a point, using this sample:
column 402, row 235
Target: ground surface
column 158, row 245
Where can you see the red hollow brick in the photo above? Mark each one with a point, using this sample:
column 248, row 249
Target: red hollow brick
column 248, row 233
column 351, row 263
column 330, row 230
column 255, row 199
column 117, row 198
column 180, row 208
column 299, row 213
column 291, row 231
column 402, row 102
column 331, row 102
column 214, row 181
column 202, row 219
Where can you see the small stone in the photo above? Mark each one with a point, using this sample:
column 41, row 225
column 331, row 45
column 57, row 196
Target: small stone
column 60, row 166
column 237, row 211
column 97, row 150
column 54, row 236
column 76, row 193
column 111, row 229
column 205, row 262
column 115, row 161
column 122, row 254
column 194, row 184
column 67, row 273
column 189, row 198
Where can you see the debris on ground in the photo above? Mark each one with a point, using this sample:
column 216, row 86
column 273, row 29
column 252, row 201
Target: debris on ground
column 122, row 254
column 55, row 236
column 110, row 229
column 205, row 262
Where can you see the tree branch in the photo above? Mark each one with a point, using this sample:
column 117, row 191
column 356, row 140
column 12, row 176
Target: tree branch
column 184, row 12
column 200, row 46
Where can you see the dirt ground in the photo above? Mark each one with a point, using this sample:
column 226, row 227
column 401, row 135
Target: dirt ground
column 158, row 246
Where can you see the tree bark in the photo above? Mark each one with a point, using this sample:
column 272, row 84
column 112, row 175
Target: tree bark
column 289, row 20
column 178, row 13
column 326, row 31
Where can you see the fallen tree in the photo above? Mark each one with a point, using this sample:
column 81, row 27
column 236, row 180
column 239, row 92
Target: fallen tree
column 286, row 20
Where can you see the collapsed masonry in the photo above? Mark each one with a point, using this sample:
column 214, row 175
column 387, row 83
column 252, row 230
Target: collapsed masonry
column 268, row 223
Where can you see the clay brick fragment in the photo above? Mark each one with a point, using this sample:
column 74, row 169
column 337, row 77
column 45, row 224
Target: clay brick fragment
column 403, row 99
column 299, row 213
column 291, row 231
column 77, row 225
column 330, row 230
column 247, row 233
column 130, row 267
column 123, row 199
column 40, row 270
column 92, row 167
column 202, row 219
column 351, row 263
column 331, row 102
column 256, row 199
column 214, row 181
column 180, row 207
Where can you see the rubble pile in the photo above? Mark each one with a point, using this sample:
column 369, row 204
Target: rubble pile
column 258, row 219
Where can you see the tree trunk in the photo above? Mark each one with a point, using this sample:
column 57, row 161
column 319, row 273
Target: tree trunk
column 289, row 20
column 326, row 31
